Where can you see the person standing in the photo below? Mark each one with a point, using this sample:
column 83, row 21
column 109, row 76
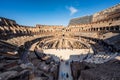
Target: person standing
column 62, row 75
column 67, row 76
column 64, row 78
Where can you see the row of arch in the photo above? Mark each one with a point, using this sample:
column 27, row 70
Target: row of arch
column 111, row 28
column 7, row 32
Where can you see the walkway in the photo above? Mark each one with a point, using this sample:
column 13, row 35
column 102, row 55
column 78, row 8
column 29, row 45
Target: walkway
column 66, row 55
column 64, row 69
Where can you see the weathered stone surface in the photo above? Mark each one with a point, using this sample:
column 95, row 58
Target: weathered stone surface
column 78, row 67
column 8, row 74
column 105, row 71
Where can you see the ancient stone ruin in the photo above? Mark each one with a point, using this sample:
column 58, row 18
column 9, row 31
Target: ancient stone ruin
column 87, row 49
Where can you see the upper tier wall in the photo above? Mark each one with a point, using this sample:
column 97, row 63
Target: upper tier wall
column 105, row 15
column 110, row 13
column 7, row 22
column 81, row 20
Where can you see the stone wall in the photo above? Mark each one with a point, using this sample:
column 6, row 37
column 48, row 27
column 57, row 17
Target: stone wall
column 81, row 20
column 106, row 20
column 9, row 29
column 106, row 71
column 5, row 21
column 107, row 14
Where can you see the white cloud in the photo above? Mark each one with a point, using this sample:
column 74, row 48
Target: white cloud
column 72, row 10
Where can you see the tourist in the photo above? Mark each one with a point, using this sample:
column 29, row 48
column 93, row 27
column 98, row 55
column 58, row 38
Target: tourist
column 62, row 75
column 66, row 62
column 67, row 76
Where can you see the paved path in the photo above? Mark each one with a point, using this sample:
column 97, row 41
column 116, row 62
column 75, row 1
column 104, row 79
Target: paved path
column 64, row 69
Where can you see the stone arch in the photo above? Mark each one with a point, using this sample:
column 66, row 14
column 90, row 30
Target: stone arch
column 111, row 28
column 116, row 28
column 93, row 29
column 107, row 28
column 96, row 29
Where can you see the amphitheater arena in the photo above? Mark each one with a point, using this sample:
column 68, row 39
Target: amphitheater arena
column 87, row 49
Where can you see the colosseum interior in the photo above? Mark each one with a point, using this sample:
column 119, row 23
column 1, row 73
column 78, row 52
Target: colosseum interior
column 87, row 49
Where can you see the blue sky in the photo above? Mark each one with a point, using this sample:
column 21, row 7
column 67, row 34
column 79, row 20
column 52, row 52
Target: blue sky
column 51, row 12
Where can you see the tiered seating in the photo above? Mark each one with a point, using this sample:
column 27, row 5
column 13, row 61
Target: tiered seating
column 101, row 58
column 22, row 39
column 78, row 45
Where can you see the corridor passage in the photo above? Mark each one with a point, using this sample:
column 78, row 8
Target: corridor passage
column 64, row 70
